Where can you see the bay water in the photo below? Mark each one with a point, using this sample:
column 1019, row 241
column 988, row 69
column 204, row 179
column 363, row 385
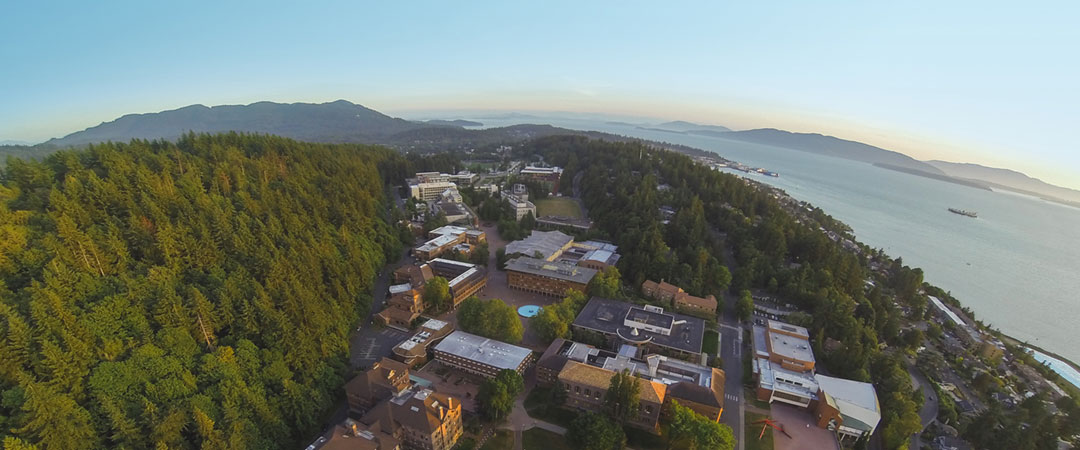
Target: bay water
column 1017, row 265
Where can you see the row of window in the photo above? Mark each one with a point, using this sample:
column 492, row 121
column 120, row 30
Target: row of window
column 595, row 394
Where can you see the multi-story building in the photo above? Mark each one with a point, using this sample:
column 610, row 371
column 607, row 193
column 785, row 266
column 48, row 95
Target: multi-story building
column 545, row 245
column 353, row 435
column 480, row 355
column 662, row 291
column 445, row 238
column 783, row 366
column 592, row 254
column 382, row 381
column 586, row 385
column 518, row 198
column 680, row 299
column 697, row 387
column 402, row 309
column 395, row 413
column 648, row 327
column 419, row 418
column 786, row 345
column 550, row 176
column 548, row 278
column 414, row 351
column 465, row 279
column 429, row 191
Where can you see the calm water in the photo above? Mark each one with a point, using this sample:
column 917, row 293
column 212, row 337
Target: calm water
column 1015, row 265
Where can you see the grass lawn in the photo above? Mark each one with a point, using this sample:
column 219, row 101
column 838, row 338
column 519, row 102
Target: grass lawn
column 558, row 206
column 752, row 431
column 501, row 440
column 540, row 406
column 539, row 439
column 644, row 440
column 708, row 343
column 751, row 396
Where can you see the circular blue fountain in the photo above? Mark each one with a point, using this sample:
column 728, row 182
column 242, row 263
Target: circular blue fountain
column 529, row 311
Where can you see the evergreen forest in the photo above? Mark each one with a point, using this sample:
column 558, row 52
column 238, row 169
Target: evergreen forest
column 188, row 294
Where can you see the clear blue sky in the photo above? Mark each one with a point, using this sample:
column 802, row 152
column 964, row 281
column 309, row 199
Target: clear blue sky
column 994, row 83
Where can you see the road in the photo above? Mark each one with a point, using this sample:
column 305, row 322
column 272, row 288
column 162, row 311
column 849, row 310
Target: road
column 731, row 348
column 929, row 410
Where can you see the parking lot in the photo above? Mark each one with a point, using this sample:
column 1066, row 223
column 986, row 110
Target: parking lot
column 371, row 343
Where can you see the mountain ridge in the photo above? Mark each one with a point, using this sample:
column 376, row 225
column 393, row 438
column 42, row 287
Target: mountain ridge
column 342, row 121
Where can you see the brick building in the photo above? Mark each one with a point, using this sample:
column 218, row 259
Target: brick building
column 548, row 278
column 480, row 355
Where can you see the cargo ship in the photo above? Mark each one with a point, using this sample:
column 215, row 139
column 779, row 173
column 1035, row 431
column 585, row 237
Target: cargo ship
column 963, row 212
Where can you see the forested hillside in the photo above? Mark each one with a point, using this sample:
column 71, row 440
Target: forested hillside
column 196, row 294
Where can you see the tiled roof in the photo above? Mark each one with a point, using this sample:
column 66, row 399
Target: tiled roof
column 706, row 303
column 587, row 375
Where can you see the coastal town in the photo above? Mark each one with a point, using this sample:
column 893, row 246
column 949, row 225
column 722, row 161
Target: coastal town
column 467, row 312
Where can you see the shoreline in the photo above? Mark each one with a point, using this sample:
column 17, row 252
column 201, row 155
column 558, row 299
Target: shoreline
column 1017, row 343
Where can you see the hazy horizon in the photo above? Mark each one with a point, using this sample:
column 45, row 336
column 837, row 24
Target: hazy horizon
column 965, row 82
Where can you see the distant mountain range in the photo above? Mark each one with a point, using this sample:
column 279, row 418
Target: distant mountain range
column 339, row 121
column 831, row 146
column 1008, row 179
column 453, row 123
column 343, row 121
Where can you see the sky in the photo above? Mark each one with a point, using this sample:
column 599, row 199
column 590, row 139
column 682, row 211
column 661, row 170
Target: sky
column 996, row 83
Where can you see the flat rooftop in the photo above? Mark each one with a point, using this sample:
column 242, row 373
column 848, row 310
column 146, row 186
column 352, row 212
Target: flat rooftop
column 555, row 270
column 607, row 316
column 789, row 328
column 790, row 347
column 778, row 378
column 437, row 243
column 448, row 229
column 656, row 319
column 483, row 350
column 547, row 243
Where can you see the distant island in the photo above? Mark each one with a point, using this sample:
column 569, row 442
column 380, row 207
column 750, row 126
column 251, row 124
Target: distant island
column 454, row 123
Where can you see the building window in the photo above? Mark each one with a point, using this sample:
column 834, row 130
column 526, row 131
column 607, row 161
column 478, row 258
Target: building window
column 648, row 409
column 577, row 389
column 587, row 392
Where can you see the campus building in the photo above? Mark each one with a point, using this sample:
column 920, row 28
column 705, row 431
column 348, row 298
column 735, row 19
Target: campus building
column 353, row 435
column 783, row 367
column 446, row 238
column 545, row 245
column 480, row 355
column 429, row 191
column 383, row 380
column 648, row 327
column 393, row 412
column 518, row 198
column 596, row 255
column 414, row 351
column 549, row 176
column 402, row 309
column 678, row 298
column 465, row 279
column 585, row 371
column 548, row 278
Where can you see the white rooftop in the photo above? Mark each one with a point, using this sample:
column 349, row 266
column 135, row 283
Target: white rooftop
column 854, row 399
column 547, row 243
column 483, row 350
column 438, row 242
column 794, row 347
column 948, row 312
column 434, row 324
column 449, row 229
